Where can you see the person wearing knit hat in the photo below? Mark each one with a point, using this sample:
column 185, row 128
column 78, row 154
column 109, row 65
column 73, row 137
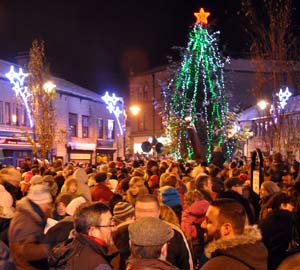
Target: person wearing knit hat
column 36, row 180
column 267, row 189
column 148, row 243
column 26, row 231
column 123, row 214
column 122, row 211
column 50, row 182
column 170, row 196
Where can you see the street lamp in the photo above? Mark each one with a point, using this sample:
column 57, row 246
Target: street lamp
column 49, row 87
column 262, row 104
column 135, row 109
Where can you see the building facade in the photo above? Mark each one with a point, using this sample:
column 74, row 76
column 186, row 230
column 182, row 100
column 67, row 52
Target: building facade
column 85, row 130
column 240, row 85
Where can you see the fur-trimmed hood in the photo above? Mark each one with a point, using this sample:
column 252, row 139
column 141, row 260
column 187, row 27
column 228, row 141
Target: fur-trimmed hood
column 247, row 248
column 251, row 235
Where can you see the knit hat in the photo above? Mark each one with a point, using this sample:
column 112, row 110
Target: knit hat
column 39, row 194
column 36, row 180
column 49, row 179
column 234, row 181
column 138, row 172
column 6, row 203
column 122, row 210
column 270, row 186
column 170, row 196
column 153, row 180
column 11, row 175
column 74, row 204
column 150, row 231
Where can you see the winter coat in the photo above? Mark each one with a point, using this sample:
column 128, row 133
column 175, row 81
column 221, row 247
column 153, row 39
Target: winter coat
column 140, row 264
column 276, row 231
column 78, row 254
column 4, row 225
column 101, row 192
column 60, row 231
column 26, row 237
column 121, row 241
column 6, row 261
column 244, row 252
column 178, row 252
column 191, row 215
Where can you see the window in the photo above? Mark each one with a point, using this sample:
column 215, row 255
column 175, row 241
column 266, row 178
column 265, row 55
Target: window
column 100, row 128
column 73, row 120
column 110, row 129
column 1, row 113
column 85, row 126
column 7, row 113
column 146, row 92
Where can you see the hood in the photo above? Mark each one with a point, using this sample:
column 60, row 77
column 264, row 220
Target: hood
column 248, row 247
column 24, row 205
column 81, row 176
column 170, row 196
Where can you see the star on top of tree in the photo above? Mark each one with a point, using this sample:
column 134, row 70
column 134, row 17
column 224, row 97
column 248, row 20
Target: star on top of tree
column 202, row 16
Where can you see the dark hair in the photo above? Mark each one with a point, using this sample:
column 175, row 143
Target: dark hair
column 100, row 177
column 87, row 215
column 277, row 199
column 145, row 252
column 201, row 181
column 231, row 211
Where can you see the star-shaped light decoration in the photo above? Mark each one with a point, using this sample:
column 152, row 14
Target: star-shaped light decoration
column 202, row 16
column 17, row 80
column 111, row 102
column 283, row 97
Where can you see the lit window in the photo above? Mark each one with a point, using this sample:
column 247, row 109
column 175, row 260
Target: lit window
column 85, row 126
column 73, row 122
column 110, row 129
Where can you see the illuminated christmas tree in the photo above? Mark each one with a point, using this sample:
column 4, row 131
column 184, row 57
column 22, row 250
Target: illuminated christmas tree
column 196, row 94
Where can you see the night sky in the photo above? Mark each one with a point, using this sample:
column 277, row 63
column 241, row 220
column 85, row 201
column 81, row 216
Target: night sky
column 94, row 43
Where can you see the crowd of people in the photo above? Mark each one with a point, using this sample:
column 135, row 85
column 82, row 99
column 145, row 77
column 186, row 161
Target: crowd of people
column 150, row 214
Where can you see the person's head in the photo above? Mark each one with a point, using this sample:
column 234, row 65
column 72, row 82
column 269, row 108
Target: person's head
column 123, row 211
column 6, row 204
column 192, row 196
column 148, row 238
column 11, row 176
column 94, row 219
column 203, row 181
column 100, row 177
column 27, row 161
column 281, row 201
column 235, row 184
column 168, row 179
column 268, row 188
column 61, row 203
column 39, row 194
column 147, row 206
column 168, row 214
column 224, row 219
column 71, row 185
column 173, row 167
column 136, row 184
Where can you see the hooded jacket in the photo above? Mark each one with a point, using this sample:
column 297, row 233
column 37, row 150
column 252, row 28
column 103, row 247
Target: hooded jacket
column 141, row 264
column 26, row 237
column 244, row 252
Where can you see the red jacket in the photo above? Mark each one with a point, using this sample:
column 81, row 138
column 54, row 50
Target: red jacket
column 101, row 193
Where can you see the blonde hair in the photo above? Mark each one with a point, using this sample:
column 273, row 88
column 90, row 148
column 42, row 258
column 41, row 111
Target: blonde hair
column 191, row 196
column 168, row 179
column 140, row 183
column 168, row 214
column 70, row 180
